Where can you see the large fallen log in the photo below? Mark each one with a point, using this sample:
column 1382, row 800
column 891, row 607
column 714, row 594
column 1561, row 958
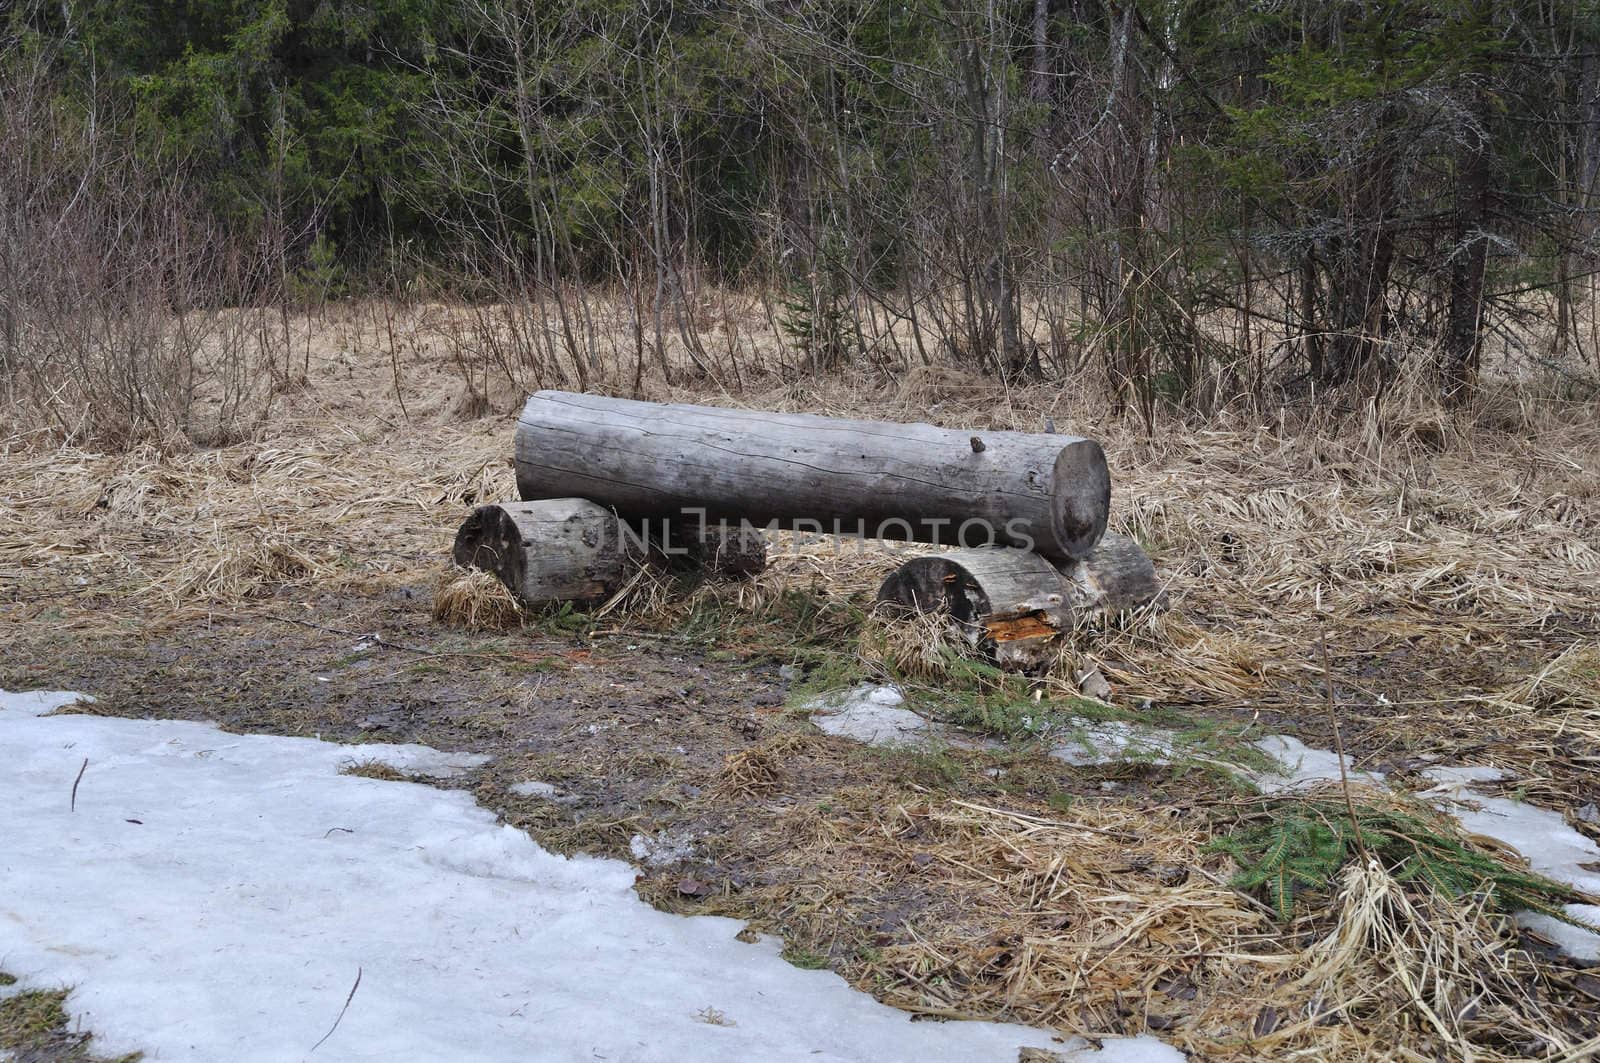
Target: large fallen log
column 1014, row 604
column 1049, row 493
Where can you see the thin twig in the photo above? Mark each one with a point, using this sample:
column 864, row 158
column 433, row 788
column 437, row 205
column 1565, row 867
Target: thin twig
column 73, row 807
column 1338, row 747
column 342, row 1010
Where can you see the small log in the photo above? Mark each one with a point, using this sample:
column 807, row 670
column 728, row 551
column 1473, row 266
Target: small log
column 1014, row 603
column 1049, row 493
column 715, row 551
column 1118, row 577
column 554, row 550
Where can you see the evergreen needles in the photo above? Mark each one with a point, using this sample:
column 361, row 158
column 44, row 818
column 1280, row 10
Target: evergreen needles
column 1288, row 846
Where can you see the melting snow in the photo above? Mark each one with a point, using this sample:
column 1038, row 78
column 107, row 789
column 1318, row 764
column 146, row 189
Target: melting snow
column 1101, row 742
column 871, row 714
column 663, row 849
column 542, row 790
column 1550, row 846
column 1302, row 766
column 214, row 895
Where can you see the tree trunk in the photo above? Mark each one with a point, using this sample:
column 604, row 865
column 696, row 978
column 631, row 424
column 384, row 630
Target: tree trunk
column 1039, row 76
column 1468, row 257
column 1359, row 281
column 1466, row 274
column 1049, row 493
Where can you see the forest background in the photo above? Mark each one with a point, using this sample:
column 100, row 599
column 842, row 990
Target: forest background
column 1190, row 205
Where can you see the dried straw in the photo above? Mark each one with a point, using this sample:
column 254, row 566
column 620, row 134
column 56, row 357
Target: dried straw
column 477, row 601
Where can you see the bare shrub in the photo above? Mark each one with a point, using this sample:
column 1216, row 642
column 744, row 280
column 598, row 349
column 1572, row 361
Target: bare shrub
column 115, row 288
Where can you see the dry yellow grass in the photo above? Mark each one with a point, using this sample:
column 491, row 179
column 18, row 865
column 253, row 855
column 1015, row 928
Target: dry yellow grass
column 1451, row 560
column 477, row 601
column 1111, row 920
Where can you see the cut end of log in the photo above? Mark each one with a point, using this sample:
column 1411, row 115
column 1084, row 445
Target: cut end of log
column 573, row 550
column 1012, row 603
column 1082, row 500
column 488, row 540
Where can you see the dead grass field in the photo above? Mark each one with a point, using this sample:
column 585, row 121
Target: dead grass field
column 1450, row 564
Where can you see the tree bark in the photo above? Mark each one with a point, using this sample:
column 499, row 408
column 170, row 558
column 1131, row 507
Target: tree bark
column 1468, row 259
column 1469, row 256
column 555, row 550
column 1048, row 493
column 1039, row 76
column 1359, row 285
column 719, row 551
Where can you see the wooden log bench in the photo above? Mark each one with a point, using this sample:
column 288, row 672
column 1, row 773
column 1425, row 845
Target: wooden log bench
column 607, row 483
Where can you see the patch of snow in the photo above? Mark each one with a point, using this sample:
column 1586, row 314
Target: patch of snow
column 886, row 695
column 420, row 760
column 1105, row 741
column 1141, row 1049
column 871, row 714
column 1572, row 941
column 1459, row 776
column 1551, row 847
column 39, row 702
column 534, row 788
column 213, row 896
column 662, row 849
column 1301, row 766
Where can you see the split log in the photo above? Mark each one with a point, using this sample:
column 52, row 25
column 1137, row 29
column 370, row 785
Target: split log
column 1014, row 603
column 554, row 550
column 1049, row 493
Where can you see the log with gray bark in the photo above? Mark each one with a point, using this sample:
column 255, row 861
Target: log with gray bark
column 572, row 550
column 553, row 550
column 1049, row 493
column 1015, row 603
column 717, row 551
